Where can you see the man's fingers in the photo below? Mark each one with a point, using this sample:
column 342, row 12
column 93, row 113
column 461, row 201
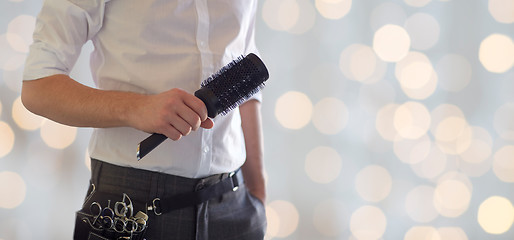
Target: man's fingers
column 172, row 133
column 207, row 124
column 197, row 106
column 181, row 125
column 181, row 113
column 190, row 117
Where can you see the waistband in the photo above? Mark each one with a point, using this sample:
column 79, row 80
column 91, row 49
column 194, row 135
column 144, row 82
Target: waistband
column 156, row 188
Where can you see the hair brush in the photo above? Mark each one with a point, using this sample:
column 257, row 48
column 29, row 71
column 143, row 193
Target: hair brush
column 223, row 91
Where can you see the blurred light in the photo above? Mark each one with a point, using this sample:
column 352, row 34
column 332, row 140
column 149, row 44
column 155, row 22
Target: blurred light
column 391, row 43
column 475, row 169
column 13, row 190
column 453, row 135
column 288, row 217
column 496, row 215
column 23, row 118
column 419, row 204
column 293, row 16
column 306, row 19
column 431, row 233
column 423, row 92
column 273, row 221
column 387, row 13
column 480, row 148
column 19, row 32
column 452, row 198
column 373, row 183
column 442, row 112
column 412, row 57
column 346, row 57
column 290, row 13
column 457, row 176
column 363, row 63
column 432, row 165
column 497, row 53
column 504, row 121
column 502, row 10
column 323, row 164
column 450, row 129
column 57, row 135
column 423, row 30
column 454, row 72
column 333, row 9
column 280, row 15
column 416, row 75
column 293, row 110
column 330, row 218
column 452, row 233
column 6, row 139
column 503, row 165
column 417, row 3
column 384, row 122
column 412, row 120
column 422, row 233
column 412, row 151
column 330, row 116
column 368, row 222
column 358, row 62
column 454, row 190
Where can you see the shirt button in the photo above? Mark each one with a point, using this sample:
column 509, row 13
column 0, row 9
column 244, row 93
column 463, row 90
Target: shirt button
column 206, row 149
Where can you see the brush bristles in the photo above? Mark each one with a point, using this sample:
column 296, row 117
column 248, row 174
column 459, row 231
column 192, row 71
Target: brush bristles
column 222, row 71
column 237, row 82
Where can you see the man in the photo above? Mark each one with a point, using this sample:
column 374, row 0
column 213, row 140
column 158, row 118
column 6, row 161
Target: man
column 149, row 57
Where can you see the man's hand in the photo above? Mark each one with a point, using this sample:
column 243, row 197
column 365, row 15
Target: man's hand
column 174, row 113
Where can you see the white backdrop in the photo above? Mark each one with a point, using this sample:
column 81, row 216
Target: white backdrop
column 383, row 120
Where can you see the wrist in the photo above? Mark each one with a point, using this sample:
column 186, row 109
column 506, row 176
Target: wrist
column 132, row 110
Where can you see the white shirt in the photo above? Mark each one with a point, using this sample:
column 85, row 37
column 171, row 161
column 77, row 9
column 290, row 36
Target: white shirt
column 150, row 46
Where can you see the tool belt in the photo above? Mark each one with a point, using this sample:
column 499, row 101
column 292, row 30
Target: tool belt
column 108, row 215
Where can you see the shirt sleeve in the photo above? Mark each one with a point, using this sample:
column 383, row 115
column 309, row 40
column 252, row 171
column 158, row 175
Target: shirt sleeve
column 62, row 28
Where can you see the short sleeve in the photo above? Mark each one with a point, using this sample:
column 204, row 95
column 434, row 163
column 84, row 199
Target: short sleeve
column 62, row 28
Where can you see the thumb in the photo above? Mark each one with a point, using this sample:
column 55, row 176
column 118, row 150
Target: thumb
column 207, row 124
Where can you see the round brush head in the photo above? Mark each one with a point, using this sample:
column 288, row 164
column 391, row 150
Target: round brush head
column 233, row 84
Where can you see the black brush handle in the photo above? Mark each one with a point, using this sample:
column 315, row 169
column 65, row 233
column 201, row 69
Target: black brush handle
column 150, row 143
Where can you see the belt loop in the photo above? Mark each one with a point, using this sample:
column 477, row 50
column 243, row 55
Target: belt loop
column 235, row 182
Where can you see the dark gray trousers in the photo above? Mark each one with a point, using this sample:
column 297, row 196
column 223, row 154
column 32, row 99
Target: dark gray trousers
column 234, row 215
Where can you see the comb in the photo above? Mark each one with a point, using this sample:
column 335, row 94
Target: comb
column 223, row 91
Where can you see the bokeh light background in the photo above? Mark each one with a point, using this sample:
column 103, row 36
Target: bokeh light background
column 383, row 120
